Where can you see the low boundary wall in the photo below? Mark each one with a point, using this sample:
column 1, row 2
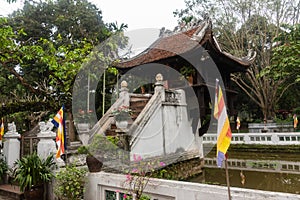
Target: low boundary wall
column 102, row 184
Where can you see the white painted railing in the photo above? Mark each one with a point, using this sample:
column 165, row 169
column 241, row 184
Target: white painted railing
column 270, row 127
column 258, row 165
column 103, row 185
column 289, row 138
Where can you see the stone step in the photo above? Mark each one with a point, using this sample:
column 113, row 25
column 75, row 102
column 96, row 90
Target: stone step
column 139, row 98
column 11, row 192
column 74, row 145
column 138, row 104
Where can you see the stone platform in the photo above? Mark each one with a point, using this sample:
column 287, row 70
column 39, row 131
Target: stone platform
column 10, row 192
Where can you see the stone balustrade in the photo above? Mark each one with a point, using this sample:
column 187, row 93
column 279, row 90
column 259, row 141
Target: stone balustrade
column 257, row 165
column 103, row 185
column 270, row 127
column 286, row 138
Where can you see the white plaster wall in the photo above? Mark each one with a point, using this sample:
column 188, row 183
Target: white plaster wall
column 177, row 190
column 178, row 130
column 169, row 124
column 150, row 141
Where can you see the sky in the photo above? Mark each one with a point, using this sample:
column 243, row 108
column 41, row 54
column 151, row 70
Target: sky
column 136, row 13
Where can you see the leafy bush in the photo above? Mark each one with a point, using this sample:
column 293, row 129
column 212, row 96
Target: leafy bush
column 70, row 183
column 3, row 167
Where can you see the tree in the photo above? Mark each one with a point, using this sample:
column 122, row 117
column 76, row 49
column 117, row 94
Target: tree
column 244, row 25
column 72, row 20
column 44, row 46
column 285, row 64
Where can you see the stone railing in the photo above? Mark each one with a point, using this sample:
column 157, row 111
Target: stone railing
column 172, row 96
column 288, row 138
column 104, row 123
column 144, row 116
column 102, row 186
column 270, row 127
column 258, row 165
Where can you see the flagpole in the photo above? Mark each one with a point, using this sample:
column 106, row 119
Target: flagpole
column 227, row 179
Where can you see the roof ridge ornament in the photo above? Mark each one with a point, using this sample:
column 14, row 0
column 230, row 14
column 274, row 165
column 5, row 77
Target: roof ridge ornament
column 183, row 27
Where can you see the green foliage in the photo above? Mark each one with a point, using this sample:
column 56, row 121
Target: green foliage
column 72, row 20
column 83, row 150
column 285, row 59
column 3, row 167
column 49, row 54
column 70, row 183
column 31, row 170
column 113, row 139
column 145, row 197
column 296, row 110
column 103, row 146
column 187, row 71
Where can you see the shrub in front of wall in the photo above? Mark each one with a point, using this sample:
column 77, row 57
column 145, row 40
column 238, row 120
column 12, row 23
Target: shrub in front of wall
column 70, row 183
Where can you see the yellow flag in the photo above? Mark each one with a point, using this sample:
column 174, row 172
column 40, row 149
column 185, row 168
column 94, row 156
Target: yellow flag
column 1, row 129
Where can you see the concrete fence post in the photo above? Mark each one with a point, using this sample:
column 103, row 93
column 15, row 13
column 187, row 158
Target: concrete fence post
column 247, row 139
column 124, row 94
column 275, row 138
column 159, row 86
column 46, row 144
column 11, row 147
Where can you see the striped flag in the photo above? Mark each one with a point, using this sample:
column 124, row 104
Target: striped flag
column 238, row 123
column 295, row 121
column 59, row 122
column 1, row 129
column 224, row 132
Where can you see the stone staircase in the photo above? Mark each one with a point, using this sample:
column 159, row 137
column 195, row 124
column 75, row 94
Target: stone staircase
column 137, row 104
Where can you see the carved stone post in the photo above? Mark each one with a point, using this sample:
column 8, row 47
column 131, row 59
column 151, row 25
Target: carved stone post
column 11, row 145
column 159, row 86
column 124, row 94
column 46, row 144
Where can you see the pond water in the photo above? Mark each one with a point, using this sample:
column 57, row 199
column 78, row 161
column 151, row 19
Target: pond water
column 278, row 182
column 261, row 179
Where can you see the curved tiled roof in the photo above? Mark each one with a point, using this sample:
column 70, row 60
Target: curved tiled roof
column 179, row 43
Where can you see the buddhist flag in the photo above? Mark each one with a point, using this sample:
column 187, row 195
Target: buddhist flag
column 59, row 122
column 238, row 123
column 1, row 129
column 224, row 132
column 295, row 121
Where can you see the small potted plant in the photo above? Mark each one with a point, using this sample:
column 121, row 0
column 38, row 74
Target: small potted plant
column 122, row 115
column 31, row 173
